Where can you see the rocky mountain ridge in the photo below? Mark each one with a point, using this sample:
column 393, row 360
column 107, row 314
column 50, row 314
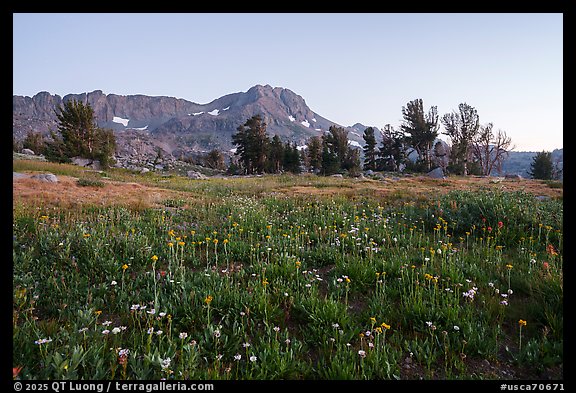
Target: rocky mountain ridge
column 143, row 124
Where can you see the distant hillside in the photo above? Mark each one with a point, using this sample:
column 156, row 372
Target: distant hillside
column 519, row 163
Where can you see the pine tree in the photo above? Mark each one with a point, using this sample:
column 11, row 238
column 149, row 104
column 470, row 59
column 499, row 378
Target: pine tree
column 420, row 129
column 275, row 155
column 291, row 161
column 314, row 153
column 252, row 145
column 79, row 136
column 542, row 166
column 462, row 128
column 392, row 151
column 369, row 149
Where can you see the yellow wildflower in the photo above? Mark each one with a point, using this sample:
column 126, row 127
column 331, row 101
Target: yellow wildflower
column 522, row 322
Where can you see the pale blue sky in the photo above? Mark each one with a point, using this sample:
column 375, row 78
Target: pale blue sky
column 349, row 67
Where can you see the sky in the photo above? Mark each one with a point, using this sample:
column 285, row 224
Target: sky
column 349, row 67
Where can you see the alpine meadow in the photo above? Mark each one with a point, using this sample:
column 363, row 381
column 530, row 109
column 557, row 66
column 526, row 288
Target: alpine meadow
column 122, row 275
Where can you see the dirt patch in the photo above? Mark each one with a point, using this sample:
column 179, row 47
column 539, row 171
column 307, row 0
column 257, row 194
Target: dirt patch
column 67, row 193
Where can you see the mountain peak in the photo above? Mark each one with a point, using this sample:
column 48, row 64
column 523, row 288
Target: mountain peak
column 177, row 125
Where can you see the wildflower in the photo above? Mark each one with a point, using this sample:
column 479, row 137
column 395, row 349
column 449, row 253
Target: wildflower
column 152, row 311
column 154, row 258
column 500, row 224
column 82, row 330
column 43, row 341
column 98, row 312
column 276, row 329
column 509, row 266
column 165, row 364
column 372, row 319
column 135, row 307
column 504, row 303
column 208, row 299
column 287, row 341
column 159, row 332
column 385, row 326
column 116, row 330
column 246, row 345
column 216, row 333
column 237, row 357
column 550, row 250
column 106, row 323
column 510, row 292
column 522, row 322
column 16, row 371
column 113, row 283
column 86, row 235
column 162, row 314
column 546, row 265
column 105, row 332
column 123, row 355
column 429, row 323
column 124, row 267
column 362, row 353
column 183, row 335
column 253, row 358
column 457, row 328
column 367, row 333
column 151, row 330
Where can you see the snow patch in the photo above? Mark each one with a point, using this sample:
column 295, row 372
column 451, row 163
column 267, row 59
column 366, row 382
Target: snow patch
column 318, row 129
column 197, row 113
column 141, row 128
column 305, row 123
column 355, row 133
column 214, row 112
column 314, row 119
column 354, row 143
column 233, row 150
column 120, row 120
column 300, row 148
column 291, row 118
column 225, row 109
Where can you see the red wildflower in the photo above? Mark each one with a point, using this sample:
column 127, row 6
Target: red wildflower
column 545, row 265
column 16, row 371
column 550, row 250
column 500, row 224
column 489, row 229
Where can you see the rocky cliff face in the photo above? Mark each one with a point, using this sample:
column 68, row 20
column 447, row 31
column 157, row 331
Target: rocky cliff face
column 178, row 126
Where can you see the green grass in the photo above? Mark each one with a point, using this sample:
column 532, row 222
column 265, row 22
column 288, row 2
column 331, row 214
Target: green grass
column 308, row 286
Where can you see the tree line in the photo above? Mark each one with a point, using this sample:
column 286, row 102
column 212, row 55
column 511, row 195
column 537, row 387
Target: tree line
column 475, row 148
